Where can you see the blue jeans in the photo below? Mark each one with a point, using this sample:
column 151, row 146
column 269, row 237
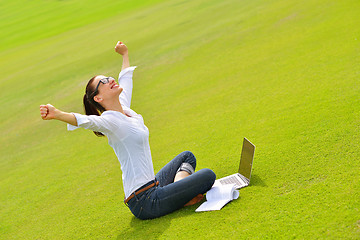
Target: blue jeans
column 170, row 196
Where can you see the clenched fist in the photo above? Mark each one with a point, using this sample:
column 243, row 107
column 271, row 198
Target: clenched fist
column 121, row 48
column 47, row 112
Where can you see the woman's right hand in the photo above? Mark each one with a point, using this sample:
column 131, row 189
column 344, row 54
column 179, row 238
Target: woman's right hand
column 47, row 112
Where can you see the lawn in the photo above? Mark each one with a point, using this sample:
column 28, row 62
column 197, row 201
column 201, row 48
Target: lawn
column 284, row 74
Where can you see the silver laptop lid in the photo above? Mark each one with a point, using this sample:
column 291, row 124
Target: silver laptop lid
column 247, row 157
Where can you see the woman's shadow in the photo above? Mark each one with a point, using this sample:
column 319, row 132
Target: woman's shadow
column 146, row 229
column 154, row 228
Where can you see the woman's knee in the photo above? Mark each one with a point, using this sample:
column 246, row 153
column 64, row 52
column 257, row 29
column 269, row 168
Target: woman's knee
column 188, row 154
column 189, row 157
column 208, row 175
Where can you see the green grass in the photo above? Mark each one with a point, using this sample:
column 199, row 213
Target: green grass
column 281, row 73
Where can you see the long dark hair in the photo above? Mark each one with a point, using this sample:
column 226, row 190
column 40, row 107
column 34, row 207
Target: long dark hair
column 92, row 107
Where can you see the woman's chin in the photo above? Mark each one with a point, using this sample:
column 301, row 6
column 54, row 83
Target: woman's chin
column 118, row 91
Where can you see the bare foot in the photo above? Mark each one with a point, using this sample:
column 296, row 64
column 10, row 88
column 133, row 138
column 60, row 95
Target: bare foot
column 195, row 200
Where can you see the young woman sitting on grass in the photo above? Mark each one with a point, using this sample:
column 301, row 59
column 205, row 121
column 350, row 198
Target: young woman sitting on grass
column 107, row 107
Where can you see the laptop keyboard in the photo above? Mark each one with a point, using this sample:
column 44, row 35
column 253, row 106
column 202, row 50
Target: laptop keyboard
column 233, row 180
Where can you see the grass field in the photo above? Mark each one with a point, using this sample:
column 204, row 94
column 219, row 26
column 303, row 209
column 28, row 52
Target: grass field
column 284, row 74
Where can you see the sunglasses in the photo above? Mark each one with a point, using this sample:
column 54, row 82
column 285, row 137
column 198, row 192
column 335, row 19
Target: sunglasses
column 103, row 81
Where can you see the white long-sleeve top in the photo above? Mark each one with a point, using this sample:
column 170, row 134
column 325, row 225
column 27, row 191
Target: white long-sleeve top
column 128, row 136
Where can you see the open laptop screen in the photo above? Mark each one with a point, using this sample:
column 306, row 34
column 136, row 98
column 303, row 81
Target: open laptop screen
column 247, row 156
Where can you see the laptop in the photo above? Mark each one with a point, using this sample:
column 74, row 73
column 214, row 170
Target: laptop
column 242, row 178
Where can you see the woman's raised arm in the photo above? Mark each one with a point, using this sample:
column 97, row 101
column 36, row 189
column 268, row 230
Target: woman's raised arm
column 122, row 49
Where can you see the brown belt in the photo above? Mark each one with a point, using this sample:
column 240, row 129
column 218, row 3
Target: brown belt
column 141, row 190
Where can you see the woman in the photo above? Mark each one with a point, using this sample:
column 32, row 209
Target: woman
column 107, row 107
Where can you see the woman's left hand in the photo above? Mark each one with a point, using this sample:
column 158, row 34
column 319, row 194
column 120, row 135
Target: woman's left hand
column 121, row 48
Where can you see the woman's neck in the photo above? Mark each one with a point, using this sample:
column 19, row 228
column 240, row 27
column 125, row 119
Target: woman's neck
column 115, row 106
